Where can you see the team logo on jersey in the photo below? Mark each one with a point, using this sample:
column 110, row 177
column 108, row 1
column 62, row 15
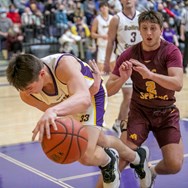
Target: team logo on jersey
column 133, row 136
column 63, row 98
column 132, row 27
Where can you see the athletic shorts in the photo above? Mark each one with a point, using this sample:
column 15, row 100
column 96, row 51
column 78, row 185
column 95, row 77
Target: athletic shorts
column 101, row 52
column 128, row 84
column 163, row 122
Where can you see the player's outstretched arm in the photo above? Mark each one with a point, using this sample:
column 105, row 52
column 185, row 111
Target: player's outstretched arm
column 47, row 119
column 97, row 78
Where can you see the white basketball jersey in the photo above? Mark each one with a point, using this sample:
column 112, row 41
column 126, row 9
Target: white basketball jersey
column 61, row 90
column 128, row 32
column 94, row 114
column 103, row 26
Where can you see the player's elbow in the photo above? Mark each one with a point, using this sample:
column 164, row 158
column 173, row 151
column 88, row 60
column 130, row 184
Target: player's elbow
column 179, row 87
column 110, row 90
column 87, row 101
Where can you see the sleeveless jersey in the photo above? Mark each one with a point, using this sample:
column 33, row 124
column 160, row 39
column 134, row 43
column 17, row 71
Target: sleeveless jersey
column 128, row 32
column 94, row 114
column 103, row 26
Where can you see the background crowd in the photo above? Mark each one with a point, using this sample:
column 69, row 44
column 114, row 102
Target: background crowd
column 35, row 25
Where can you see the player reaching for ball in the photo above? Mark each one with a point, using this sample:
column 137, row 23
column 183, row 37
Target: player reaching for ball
column 61, row 85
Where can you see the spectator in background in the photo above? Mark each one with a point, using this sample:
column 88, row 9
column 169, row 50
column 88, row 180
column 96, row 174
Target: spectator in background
column 81, row 29
column 61, row 18
column 79, row 11
column 38, row 20
column 14, row 15
column 167, row 8
column 5, row 25
column 115, row 6
column 5, row 3
column 184, row 35
column 161, row 9
column 27, row 18
column 68, row 42
column 176, row 10
column 169, row 34
column 90, row 11
column 39, row 4
column 142, row 5
column 70, row 7
column 49, row 18
column 20, row 5
column 14, row 40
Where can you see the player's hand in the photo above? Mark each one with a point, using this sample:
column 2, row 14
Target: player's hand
column 97, row 78
column 43, row 125
column 104, row 37
column 141, row 69
column 93, row 65
column 125, row 70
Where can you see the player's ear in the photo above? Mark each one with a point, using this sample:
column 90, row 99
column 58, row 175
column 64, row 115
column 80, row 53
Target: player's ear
column 42, row 72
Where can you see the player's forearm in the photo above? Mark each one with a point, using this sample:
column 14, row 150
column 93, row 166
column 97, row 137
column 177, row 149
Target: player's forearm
column 95, row 35
column 113, row 86
column 74, row 104
column 96, row 85
column 109, row 49
column 169, row 82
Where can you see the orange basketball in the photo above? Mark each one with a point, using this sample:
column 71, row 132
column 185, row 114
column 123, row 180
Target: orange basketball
column 68, row 143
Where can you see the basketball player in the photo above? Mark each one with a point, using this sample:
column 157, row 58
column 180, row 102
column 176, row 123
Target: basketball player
column 155, row 67
column 123, row 32
column 61, row 85
column 99, row 31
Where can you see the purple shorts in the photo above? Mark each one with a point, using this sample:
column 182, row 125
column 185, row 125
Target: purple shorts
column 163, row 122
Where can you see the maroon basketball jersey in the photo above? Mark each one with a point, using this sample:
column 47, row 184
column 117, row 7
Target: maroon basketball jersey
column 147, row 92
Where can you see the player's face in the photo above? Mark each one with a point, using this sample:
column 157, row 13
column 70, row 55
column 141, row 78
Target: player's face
column 104, row 9
column 35, row 87
column 151, row 35
column 128, row 3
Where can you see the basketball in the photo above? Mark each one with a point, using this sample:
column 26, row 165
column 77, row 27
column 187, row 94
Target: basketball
column 68, row 143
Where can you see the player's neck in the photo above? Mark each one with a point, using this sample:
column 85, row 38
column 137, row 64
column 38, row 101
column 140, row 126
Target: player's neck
column 48, row 82
column 105, row 16
column 154, row 47
column 129, row 12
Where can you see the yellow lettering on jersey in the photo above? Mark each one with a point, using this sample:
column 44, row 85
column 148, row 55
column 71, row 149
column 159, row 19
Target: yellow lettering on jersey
column 133, row 136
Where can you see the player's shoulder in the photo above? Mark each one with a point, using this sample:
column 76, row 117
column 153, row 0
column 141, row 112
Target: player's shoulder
column 50, row 57
column 168, row 47
column 97, row 18
column 128, row 53
column 116, row 17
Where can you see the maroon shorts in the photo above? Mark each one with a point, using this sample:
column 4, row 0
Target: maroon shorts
column 163, row 122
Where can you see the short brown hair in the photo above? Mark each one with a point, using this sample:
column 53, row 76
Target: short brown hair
column 23, row 69
column 103, row 3
column 151, row 16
